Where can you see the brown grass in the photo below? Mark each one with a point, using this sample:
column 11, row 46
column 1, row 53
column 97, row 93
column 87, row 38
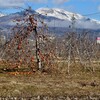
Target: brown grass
column 58, row 82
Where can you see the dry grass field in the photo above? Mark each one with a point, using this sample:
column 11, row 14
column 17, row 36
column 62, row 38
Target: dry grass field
column 57, row 83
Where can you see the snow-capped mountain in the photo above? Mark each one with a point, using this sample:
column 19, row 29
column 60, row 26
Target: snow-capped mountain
column 9, row 20
column 58, row 13
column 63, row 18
column 54, row 17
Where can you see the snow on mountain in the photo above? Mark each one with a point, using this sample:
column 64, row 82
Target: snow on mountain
column 9, row 20
column 54, row 17
column 58, row 13
column 63, row 18
column 1, row 15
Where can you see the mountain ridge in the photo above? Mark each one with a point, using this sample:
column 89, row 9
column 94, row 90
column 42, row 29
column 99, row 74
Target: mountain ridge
column 54, row 17
column 81, row 21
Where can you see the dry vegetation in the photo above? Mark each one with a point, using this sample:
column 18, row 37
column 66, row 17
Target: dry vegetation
column 78, row 83
column 68, row 65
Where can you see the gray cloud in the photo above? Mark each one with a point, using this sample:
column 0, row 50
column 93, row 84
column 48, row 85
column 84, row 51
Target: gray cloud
column 58, row 2
column 99, row 7
column 5, row 4
column 90, row 0
column 38, row 1
column 11, row 3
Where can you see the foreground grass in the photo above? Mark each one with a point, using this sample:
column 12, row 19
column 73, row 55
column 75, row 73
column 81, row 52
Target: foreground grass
column 79, row 82
column 39, row 84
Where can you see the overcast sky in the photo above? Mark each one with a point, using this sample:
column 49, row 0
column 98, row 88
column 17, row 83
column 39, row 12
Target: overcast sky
column 77, row 6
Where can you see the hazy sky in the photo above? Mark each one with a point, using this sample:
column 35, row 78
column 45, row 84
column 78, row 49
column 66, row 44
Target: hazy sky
column 78, row 6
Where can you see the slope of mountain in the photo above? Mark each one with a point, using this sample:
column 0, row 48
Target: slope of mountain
column 9, row 20
column 54, row 18
column 62, row 18
column 58, row 13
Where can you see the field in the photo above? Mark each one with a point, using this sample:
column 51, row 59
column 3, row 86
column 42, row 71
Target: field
column 34, row 63
column 57, row 83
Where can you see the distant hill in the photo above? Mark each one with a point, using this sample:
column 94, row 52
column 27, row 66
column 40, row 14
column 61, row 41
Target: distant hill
column 58, row 20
